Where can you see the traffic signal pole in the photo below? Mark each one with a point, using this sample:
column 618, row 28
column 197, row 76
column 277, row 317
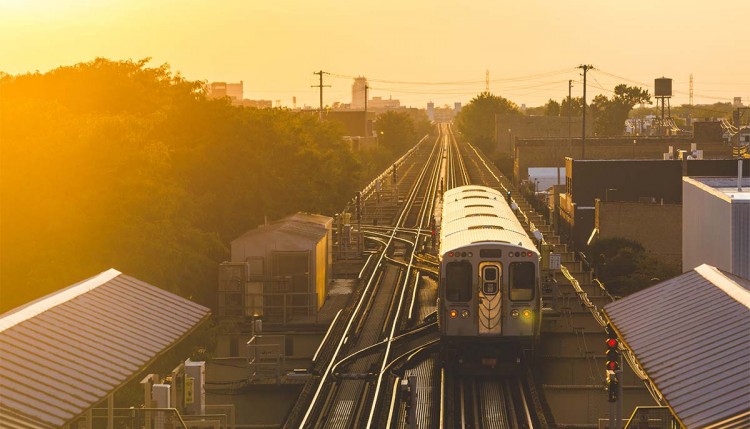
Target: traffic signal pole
column 614, row 378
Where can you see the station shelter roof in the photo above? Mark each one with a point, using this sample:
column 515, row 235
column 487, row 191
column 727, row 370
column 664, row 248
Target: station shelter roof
column 64, row 353
column 311, row 226
column 690, row 335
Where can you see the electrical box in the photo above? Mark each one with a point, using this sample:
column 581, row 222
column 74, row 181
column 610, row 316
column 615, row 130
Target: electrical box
column 160, row 396
column 195, row 392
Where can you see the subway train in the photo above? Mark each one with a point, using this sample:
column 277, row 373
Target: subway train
column 489, row 295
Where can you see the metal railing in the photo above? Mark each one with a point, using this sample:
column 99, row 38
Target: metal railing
column 156, row 418
column 652, row 418
column 266, row 355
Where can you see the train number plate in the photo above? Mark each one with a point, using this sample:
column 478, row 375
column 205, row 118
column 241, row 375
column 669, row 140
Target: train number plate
column 490, row 362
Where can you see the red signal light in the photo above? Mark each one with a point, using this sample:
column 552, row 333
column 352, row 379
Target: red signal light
column 613, row 354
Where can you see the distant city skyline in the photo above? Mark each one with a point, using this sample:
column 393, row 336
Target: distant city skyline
column 417, row 52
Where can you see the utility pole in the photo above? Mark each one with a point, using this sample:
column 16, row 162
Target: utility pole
column 320, row 85
column 570, row 110
column 585, row 68
column 737, row 114
column 366, row 88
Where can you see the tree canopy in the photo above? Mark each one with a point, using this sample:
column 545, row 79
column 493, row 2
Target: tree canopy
column 476, row 121
column 624, row 266
column 610, row 113
column 115, row 164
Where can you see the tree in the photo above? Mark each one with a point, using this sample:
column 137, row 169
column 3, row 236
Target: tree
column 395, row 131
column 576, row 106
column 476, row 121
column 552, row 108
column 610, row 113
column 111, row 164
column 624, row 266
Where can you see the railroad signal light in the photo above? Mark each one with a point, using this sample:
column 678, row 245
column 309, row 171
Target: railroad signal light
column 612, row 353
column 613, row 366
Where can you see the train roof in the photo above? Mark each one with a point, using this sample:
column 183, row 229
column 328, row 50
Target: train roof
column 474, row 214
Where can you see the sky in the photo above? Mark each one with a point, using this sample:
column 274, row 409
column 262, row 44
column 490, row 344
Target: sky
column 413, row 50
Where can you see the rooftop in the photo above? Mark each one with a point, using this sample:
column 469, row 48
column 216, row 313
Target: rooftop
column 689, row 335
column 64, row 353
column 723, row 187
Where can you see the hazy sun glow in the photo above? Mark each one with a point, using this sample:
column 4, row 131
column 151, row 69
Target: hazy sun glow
column 275, row 46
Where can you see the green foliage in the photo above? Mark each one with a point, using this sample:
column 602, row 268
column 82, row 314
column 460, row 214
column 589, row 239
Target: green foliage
column 117, row 165
column 477, row 119
column 610, row 113
column 624, row 266
column 575, row 106
column 395, row 131
column 552, row 108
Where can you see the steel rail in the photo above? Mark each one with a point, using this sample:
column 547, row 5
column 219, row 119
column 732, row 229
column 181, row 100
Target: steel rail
column 345, row 336
column 328, row 333
column 394, row 326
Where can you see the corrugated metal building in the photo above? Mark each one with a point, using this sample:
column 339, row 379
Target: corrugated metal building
column 65, row 353
column 690, row 335
column 292, row 255
column 716, row 224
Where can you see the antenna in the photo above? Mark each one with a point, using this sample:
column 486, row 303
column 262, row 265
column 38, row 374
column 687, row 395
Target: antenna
column 691, row 89
column 487, row 81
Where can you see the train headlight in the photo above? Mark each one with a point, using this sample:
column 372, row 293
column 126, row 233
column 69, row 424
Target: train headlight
column 526, row 314
column 453, row 314
column 465, row 314
column 514, row 313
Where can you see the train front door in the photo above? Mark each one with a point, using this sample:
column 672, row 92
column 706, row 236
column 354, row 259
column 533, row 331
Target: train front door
column 490, row 298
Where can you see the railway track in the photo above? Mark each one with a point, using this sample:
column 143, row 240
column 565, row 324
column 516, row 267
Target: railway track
column 379, row 341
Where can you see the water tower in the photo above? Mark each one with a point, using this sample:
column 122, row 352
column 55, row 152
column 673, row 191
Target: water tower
column 663, row 91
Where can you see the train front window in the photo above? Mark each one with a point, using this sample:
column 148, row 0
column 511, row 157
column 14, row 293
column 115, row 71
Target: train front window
column 522, row 278
column 490, row 278
column 458, row 281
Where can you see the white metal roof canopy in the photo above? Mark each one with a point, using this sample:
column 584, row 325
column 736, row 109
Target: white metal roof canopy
column 690, row 336
column 64, row 353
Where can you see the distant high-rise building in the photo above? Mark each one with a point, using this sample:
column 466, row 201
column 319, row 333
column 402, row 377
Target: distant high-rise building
column 358, row 93
column 217, row 90
column 457, row 106
column 737, row 102
column 234, row 91
column 431, row 110
column 378, row 103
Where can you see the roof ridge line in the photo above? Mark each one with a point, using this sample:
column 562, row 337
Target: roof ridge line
column 726, row 284
column 43, row 304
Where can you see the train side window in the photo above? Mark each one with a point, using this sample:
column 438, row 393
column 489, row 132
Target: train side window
column 458, row 281
column 522, row 278
column 490, row 279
